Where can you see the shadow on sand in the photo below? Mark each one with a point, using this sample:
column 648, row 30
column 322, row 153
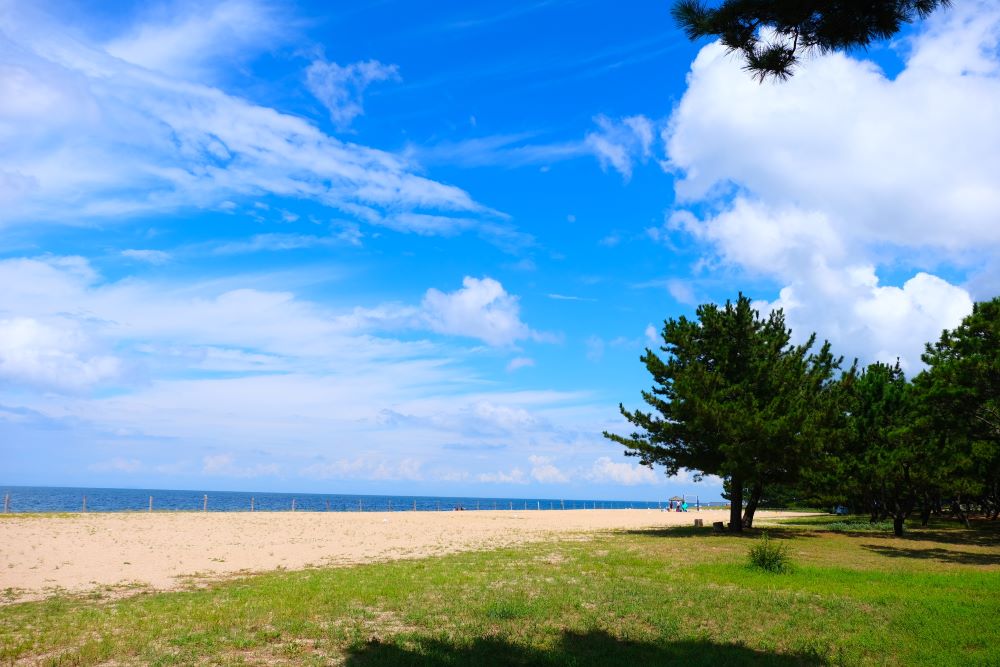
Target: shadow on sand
column 579, row 650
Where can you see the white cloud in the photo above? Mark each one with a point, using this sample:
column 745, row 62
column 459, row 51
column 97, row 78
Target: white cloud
column 366, row 468
column 150, row 256
column 225, row 465
column 513, row 476
column 481, row 309
column 544, row 471
column 88, row 135
column 340, row 88
column 595, row 348
column 606, row 470
column 618, row 144
column 519, row 362
column 653, row 338
column 185, row 41
column 819, row 181
column 53, row 354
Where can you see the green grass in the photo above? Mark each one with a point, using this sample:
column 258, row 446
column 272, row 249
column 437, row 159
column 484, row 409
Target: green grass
column 682, row 596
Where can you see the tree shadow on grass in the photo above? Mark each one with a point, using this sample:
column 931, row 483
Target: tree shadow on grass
column 577, row 650
column 940, row 555
column 776, row 533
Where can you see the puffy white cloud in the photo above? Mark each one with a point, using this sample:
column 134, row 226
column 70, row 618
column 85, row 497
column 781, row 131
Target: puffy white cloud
column 481, row 309
column 340, row 87
column 544, row 471
column 819, row 181
column 628, row 474
column 53, row 354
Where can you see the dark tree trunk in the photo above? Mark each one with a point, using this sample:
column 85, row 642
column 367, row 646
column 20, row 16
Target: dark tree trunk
column 736, row 505
column 925, row 514
column 956, row 507
column 897, row 525
column 755, row 495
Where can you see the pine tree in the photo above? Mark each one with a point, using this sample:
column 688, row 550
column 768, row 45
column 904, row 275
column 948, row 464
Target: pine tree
column 732, row 397
column 794, row 26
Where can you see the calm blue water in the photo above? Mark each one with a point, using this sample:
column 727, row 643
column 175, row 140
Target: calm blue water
column 66, row 499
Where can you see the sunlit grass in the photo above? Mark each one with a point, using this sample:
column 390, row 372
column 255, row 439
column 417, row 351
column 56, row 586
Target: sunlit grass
column 644, row 597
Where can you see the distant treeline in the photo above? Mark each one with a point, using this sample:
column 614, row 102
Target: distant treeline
column 787, row 425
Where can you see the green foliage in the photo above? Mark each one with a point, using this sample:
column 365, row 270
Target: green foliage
column 770, row 556
column 733, row 397
column 795, row 26
column 859, row 526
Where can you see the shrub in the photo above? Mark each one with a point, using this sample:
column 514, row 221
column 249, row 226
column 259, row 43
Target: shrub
column 769, row 556
column 860, row 526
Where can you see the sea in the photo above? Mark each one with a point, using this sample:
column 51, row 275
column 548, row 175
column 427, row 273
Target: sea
column 77, row 499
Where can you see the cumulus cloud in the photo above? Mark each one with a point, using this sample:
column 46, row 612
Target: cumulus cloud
column 544, row 471
column 481, row 309
column 819, row 181
column 628, row 474
column 340, row 87
column 56, row 354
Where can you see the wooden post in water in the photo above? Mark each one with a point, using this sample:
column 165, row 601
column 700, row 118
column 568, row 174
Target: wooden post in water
column 85, row 503
column 151, row 503
column 251, row 503
column 204, row 503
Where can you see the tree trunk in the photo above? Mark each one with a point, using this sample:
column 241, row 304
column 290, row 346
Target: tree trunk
column 736, row 505
column 925, row 514
column 755, row 495
column 956, row 507
column 897, row 525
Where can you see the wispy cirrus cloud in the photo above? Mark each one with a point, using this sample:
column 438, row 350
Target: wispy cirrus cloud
column 108, row 137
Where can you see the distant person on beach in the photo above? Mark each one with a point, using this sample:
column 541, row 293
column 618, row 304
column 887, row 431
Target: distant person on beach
column 684, row 506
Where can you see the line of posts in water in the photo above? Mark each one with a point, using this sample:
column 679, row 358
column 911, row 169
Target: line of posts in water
column 455, row 506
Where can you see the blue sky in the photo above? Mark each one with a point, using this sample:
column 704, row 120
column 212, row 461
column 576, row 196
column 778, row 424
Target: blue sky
column 396, row 248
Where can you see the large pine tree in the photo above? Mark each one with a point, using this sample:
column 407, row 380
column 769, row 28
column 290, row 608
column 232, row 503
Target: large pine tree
column 733, row 397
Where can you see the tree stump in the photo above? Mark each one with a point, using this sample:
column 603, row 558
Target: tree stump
column 699, row 523
column 718, row 527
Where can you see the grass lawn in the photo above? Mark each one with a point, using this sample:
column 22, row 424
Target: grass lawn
column 680, row 596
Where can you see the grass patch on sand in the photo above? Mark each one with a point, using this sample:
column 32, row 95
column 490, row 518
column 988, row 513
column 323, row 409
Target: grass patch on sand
column 673, row 596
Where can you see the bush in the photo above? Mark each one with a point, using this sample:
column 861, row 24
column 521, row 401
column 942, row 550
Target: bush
column 860, row 527
column 769, row 556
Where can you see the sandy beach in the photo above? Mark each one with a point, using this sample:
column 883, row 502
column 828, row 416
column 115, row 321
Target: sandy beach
column 43, row 555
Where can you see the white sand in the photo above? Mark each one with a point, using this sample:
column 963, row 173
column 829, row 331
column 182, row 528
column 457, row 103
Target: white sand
column 163, row 550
